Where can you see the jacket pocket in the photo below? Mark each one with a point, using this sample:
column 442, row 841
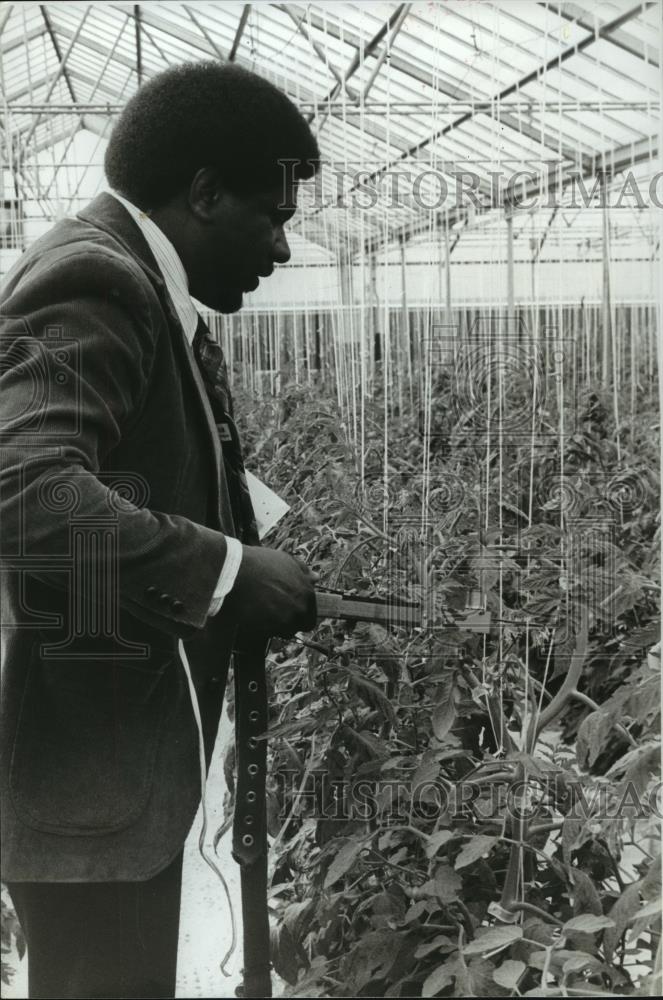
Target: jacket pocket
column 86, row 742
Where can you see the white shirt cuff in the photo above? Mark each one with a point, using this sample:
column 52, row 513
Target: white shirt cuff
column 228, row 574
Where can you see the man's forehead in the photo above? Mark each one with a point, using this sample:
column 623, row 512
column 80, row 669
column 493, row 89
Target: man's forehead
column 282, row 196
column 288, row 190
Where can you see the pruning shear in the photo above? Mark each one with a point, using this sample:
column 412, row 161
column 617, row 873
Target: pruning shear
column 390, row 611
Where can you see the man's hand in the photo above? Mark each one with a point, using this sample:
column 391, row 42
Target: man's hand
column 273, row 594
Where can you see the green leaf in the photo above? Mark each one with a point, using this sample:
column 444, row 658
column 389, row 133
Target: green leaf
column 644, row 917
column 476, row 980
column 286, row 954
column 509, row 973
column 417, row 910
column 296, row 918
column 580, row 961
column 493, row 940
column 447, row 884
column 294, row 727
column 556, row 959
column 477, row 847
column 574, row 835
column 588, row 923
column 437, row 840
column 440, row 943
column 586, row 897
column 625, row 908
column 343, row 862
column 427, row 772
column 593, row 735
column 439, row 978
column 372, row 958
column 444, row 716
column 373, row 696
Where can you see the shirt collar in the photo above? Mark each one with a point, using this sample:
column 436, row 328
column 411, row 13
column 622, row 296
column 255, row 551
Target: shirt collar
column 170, row 265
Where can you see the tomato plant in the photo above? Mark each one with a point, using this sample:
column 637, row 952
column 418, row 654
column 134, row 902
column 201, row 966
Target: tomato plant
column 467, row 808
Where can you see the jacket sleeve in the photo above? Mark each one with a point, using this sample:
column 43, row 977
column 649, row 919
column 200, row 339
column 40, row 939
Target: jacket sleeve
column 78, row 336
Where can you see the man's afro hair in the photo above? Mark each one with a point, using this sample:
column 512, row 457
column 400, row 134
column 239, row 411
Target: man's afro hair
column 206, row 114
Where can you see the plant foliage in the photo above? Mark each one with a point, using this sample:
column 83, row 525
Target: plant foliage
column 460, row 810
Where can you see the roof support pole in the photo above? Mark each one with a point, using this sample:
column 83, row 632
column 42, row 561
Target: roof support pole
column 139, row 51
column 240, row 31
column 61, row 72
column 56, row 47
column 359, row 57
column 629, row 43
column 96, row 86
column 385, row 51
column 530, row 77
column 4, row 17
column 319, row 51
column 205, row 33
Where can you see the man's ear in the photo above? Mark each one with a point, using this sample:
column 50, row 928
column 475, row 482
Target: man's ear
column 205, row 193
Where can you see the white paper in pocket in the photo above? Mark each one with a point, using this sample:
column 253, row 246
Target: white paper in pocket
column 268, row 506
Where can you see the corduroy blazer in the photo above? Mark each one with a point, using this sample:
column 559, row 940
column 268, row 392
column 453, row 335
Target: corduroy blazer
column 113, row 515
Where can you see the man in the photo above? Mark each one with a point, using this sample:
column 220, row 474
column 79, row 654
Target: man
column 127, row 524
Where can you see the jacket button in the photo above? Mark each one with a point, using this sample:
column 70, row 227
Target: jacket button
column 164, row 598
column 151, row 591
column 176, row 605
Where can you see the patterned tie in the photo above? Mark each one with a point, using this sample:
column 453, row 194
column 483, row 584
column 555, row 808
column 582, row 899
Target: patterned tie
column 213, row 368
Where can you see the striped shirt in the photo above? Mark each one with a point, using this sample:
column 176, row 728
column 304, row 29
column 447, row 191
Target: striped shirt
column 177, row 286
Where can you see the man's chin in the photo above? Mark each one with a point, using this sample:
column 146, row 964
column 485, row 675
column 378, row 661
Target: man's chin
column 231, row 303
column 226, row 301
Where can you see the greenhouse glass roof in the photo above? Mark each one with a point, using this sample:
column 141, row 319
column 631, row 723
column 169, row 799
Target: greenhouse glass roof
column 452, row 86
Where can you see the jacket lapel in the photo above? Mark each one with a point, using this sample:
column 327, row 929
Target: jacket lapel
column 107, row 213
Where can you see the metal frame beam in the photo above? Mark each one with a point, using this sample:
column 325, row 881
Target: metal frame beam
column 449, row 89
column 58, row 52
column 61, row 72
column 530, row 77
column 99, row 48
column 620, row 157
column 240, row 31
column 5, row 16
column 361, row 54
column 139, row 48
column 320, row 53
column 18, row 43
column 615, row 160
column 629, row 43
column 28, row 89
column 386, row 51
column 205, row 33
column 190, row 38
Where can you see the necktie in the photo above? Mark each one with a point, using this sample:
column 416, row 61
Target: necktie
column 213, row 368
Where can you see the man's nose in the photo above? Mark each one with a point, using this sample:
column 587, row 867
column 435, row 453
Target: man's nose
column 281, row 248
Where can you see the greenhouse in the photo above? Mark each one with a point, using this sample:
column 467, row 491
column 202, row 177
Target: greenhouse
column 436, row 421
